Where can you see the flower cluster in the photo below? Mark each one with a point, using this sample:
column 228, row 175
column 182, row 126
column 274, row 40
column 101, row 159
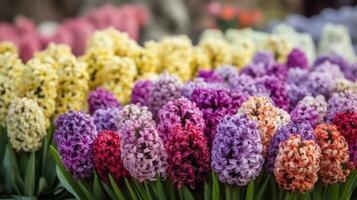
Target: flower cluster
column 106, row 119
column 297, row 59
column 297, row 164
column 341, row 102
column 334, row 154
column 141, row 92
column 237, row 150
column 25, row 125
column 74, row 136
column 179, row 111
column 101, row 98
column 188, row 155
column 132, row 113
column 107, row 156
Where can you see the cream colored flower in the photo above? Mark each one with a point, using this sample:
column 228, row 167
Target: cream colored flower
column 7, row 94
column 218, row 52
column 7, row 47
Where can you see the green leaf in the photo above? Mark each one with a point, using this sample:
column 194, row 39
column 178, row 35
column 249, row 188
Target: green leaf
column 228, row 191
column 316, row 194
column 65, row 177
column 261, row 190
column 109, row 191
column 42, row 183
column 98, row 191
column 170, row 190
column 236, row 192
column 115, row 187
column 11, row 171
column 250, row 191
column 131, row 190
column 85, row 191
column 148, row 193
column 187, row 195
column 333, row 192
column 207, row 192
column 140, row 191
column 347, row 187
column 158, row 188
column 215, row 192
column 273, row 189
column 30, row 176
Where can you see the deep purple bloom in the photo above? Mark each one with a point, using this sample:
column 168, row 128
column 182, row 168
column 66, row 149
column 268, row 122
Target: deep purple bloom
column 310, row 110
column 237, row 150
column 209, row 76
column 283, row 133
column 188, row 88
column 341, row 102
column 141, row 92
column 101, row 98
column 106, row 119
column 297, row 59
column 74, row 135
column 179, row 111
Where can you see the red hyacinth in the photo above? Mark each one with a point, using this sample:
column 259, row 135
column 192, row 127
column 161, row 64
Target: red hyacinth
column 106, row 150
column 188, row 156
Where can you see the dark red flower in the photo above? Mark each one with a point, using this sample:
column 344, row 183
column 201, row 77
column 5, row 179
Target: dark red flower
column 188, row 156
column 106, row 150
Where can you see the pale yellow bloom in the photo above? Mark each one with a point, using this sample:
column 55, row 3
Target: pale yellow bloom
column 55, row 54
column 147, row 60
column 280, row 46
column 7, row 47
column 7, row 94
column 199, row 61
column 242, row 52
column 11, row 66
column 218, row 52
column 25, row 125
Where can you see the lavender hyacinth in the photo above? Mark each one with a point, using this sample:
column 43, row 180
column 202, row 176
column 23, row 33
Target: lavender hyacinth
column 179, row 111
column 310, row 110
column 142, row 150
column 188, row 88
column 333, row 59
column 247, row 85
column 237, row 150
column 141, row 92
column 106, row 119
column 295, row 94
column 320, row 83
column 226, row 73
column 297, row 76
column 165, row 89
column 341, row 102
column 283, row 133
column 101, row 98
column 74, row 136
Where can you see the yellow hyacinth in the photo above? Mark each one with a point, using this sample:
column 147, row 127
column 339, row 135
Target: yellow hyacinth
column 176, row 56
column 118, row 76
column 118, row 42
column 218, row 52
column 7, row 94
column 11, row 66
column 95, row 60
column 147, row 60
column 199, row 61
column 25, row 125
column 39, row 81
column 242, row 52
column 280, row 46
column 7, row 47
column 55, row 54
column 72, row 86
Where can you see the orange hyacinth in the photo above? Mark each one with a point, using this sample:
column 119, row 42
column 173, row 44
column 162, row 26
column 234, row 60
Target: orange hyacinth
column 334, row 154
column 297, row 164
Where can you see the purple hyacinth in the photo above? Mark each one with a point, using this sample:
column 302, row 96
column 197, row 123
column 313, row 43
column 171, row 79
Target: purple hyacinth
column 106, row 119
column 74, row 135
column 283, row 133
column 237, row 150
column 264, row 57
column 133, row 112
column 215, row 103
column 247, row 85
column 209, row 76
column 226, row 73
column 351, row 72
column 330, row 68
column 296, row 93
column 310, row 110
column 179, row 111
column 341, row 102
column 320, row 83
column 142, row 150
column 101, row 98
column 277, row 90
column 297, row 59
column 297, row 76
column 141, row 92
column 333, row 59
column 165, row 89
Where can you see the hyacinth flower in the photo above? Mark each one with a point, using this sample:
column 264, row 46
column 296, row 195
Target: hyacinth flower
column 218, row 52
column 142, row 150
column 215, row 103
column 188, row 155
column 26, row 126
column 200, row 61
column 11, row 65
column 310, row 110
column 268, row 117
column 341, row 102
column 165, row 89
column 141, row 92
column 101, row 98
column 334, row 154
column 147, row 59
column 297, row 164
column 179, row 111
column 305, row 130
column 106, row 119
column 107, row 156
column 333, row 59
column 237, row 152
column 346, row 123
column 209, row 76
column 74, row 135
column 320, row 83
column 7, row 94
column 297, row 59
column 39, row 81
column 132, row 113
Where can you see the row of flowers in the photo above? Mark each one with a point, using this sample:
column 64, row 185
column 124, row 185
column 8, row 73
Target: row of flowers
column 148, row 133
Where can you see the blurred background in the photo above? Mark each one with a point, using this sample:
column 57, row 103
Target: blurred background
column 31, row 25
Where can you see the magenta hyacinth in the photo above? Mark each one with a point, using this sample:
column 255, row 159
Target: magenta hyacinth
column 297, row 59
column 237, row 150
column 142, row 150
column 179, row 111
column 141, row 92
column 101, row 98
column 74, row 135
column 341, row 102
column 106, row 119
column 209, row 76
